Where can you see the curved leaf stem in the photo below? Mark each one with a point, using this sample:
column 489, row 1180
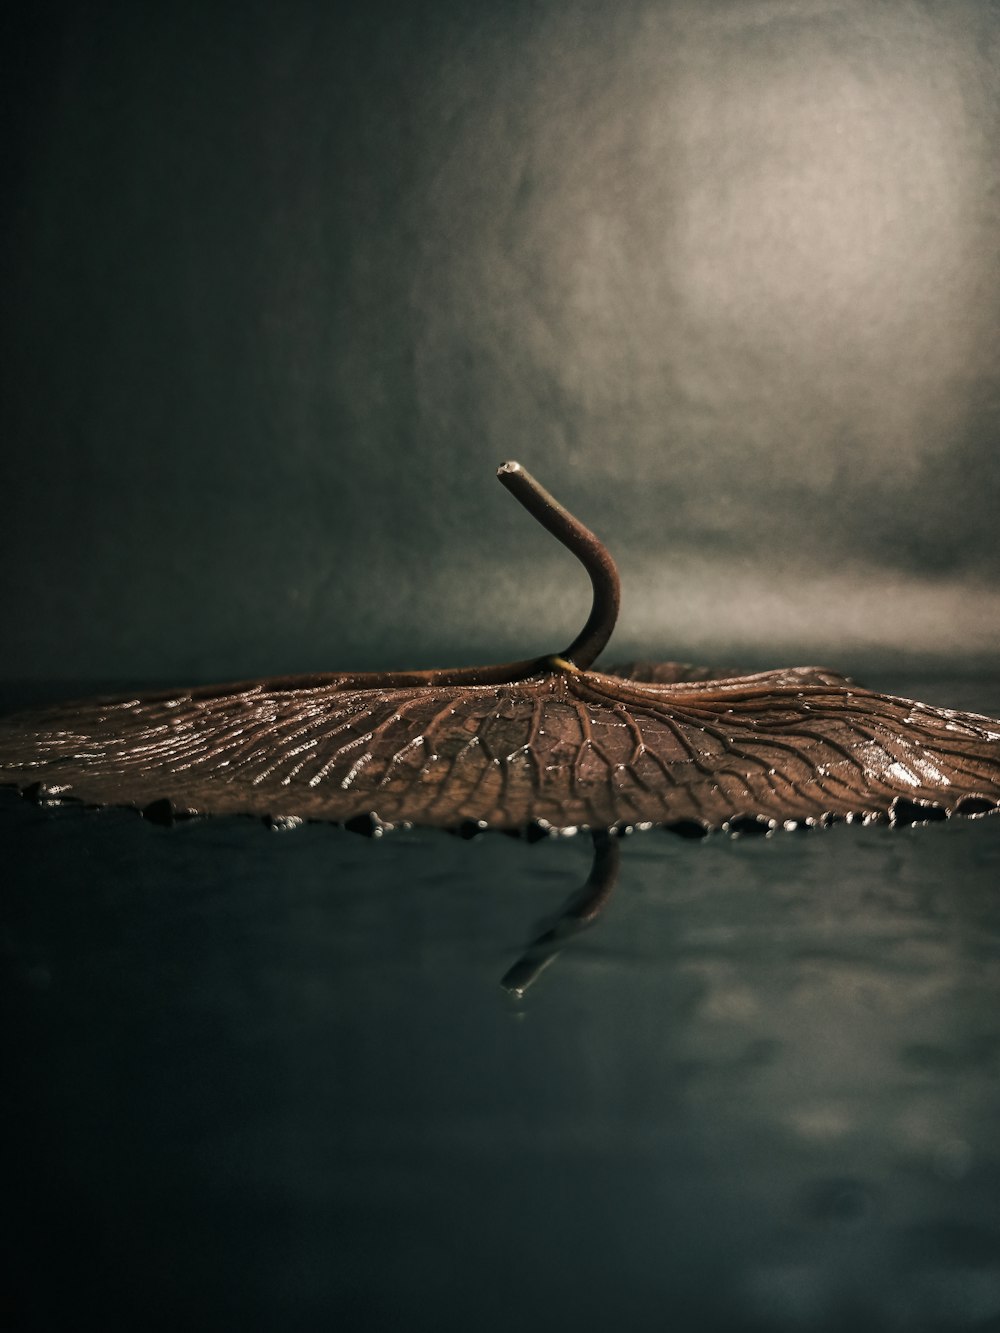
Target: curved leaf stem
column 591, row 553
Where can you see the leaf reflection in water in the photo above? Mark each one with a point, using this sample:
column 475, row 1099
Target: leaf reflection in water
column 580, row 911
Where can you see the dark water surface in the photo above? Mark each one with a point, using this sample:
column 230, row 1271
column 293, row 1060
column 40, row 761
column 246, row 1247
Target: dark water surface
column 267, row 1080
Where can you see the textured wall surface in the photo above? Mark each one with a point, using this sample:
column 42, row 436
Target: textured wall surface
column 283, row 285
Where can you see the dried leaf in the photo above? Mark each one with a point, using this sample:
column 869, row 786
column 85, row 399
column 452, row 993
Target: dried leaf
column 549, row 744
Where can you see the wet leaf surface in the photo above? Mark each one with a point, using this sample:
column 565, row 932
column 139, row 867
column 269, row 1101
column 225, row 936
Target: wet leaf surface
column 561, row 749
column 549, row 745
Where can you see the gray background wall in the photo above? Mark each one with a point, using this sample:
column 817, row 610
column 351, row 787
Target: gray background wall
column 283, row 285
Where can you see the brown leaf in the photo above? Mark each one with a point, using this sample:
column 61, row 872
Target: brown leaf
column 549, row 744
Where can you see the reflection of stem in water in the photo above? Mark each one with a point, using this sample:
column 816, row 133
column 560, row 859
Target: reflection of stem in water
column 581, row 910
